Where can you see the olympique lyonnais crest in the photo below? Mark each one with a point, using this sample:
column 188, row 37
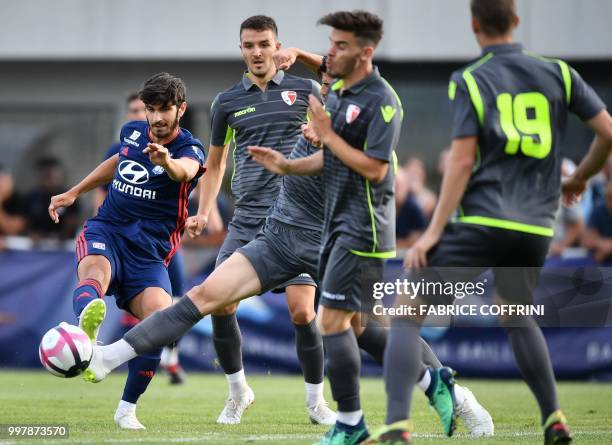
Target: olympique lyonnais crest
column 352, row 111
column 289, row 97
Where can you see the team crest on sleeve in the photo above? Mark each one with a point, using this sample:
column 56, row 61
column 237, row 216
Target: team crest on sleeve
column 289, row 97
column 352, row 111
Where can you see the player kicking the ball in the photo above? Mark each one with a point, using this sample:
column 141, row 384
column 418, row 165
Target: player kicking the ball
column 125, row 250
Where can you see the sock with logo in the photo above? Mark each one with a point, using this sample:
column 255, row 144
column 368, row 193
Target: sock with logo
column 87, row 290
column 141, row 370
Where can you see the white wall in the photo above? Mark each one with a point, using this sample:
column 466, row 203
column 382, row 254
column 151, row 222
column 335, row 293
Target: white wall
column 206, row 29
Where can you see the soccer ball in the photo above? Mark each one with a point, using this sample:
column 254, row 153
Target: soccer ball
column 65, row 350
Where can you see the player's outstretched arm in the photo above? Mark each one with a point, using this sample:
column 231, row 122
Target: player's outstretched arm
column 210, row 184
column 179, row 170
column 102, row 174
column 594, row 161
column 286, row 57
column 460, row 162
column 374, row 170
column 277, row 163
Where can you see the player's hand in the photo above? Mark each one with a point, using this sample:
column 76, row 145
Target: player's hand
column 572, row 189
column 158, row 154
column 417, row 255
column 195, row 225
column 320, row 122
column 58, row 202
column 270, row 159
column 285, row 58
column 310, row 135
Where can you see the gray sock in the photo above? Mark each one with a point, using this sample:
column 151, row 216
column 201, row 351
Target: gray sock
column 531, row 354
column 343, row 369
column 309, row 347
column 373, row 340
column 402, row 368
column 428, row 356
column 227, row 340
column 163, row 327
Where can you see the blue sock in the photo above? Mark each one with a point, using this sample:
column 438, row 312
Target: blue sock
column 141, row 370
column 87, row 290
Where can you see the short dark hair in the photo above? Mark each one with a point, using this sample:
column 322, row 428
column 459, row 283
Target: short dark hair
column 131, row 98
column 163, row 89
column 495, row 16
column 259, row 23
column 48, row 161
column 365, row 25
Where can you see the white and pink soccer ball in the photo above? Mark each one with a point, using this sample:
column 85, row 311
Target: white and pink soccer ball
column 65, row 350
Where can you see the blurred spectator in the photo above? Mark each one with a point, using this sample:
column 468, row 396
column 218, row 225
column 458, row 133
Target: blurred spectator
column 51, row 179
column 416, row 184
column 594, row 194
column 410, row 220
column 12, row 213
column 442, row 162
column 569, row 223
column 598, row 236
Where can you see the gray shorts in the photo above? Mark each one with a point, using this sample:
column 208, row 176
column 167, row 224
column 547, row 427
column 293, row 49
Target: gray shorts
column 347, row 279
column 275, row 248
column 284, row 255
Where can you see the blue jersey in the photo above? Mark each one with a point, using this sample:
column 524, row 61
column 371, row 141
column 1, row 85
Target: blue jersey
column 150, row 207
column 113, row 150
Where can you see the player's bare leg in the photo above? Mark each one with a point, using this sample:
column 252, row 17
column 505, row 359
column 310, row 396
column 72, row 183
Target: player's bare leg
column 309, row 347
column 141, row 368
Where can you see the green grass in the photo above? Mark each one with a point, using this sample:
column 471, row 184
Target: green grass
column 187, row 414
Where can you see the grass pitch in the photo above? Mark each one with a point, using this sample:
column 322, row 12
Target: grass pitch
column 187, row 414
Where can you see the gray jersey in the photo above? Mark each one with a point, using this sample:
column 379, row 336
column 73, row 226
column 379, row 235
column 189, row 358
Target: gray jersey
column 517, row 104
column 270, row 118
column 359, row 214
column 300, row 201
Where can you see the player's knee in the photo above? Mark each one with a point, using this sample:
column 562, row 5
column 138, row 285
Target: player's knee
column 96, row 268
column 301, row 314
column 331, row 321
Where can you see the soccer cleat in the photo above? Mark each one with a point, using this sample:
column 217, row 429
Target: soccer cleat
column 477, row 420
column 397, row 433
column 343, row 435
column 91, row 318
column 126, row 419
column 96, row 371
column 234, row 407
column 321, row 414
column 556, row 431
column 441, row 395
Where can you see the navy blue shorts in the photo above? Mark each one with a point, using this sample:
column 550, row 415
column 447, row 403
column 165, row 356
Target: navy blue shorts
column 133, row 268
column 176, row 272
